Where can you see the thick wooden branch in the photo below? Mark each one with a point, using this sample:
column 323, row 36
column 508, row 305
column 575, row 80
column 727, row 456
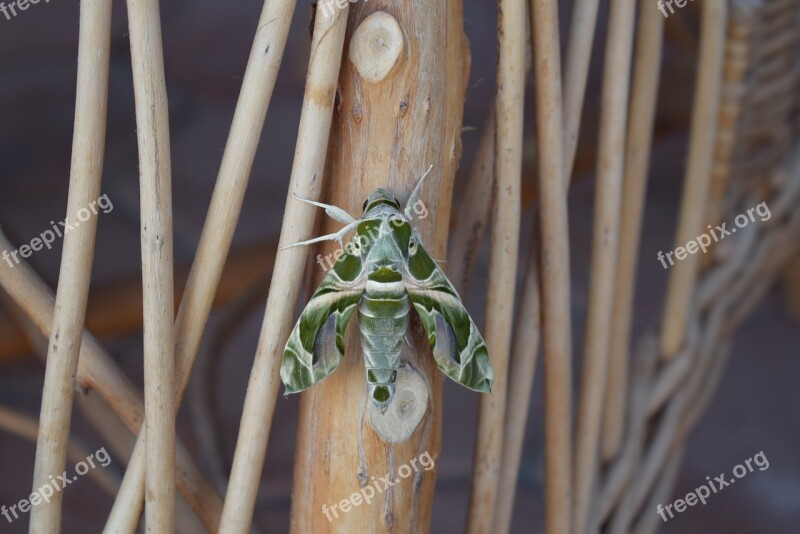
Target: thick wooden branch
column 391, row 124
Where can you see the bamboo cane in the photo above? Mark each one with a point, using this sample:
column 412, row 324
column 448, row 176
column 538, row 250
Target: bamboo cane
column 520, row 386
column 698, row 172
column 644, row 95
column 576, row 73
column 509, row 110
column 223, row 214
column 556, row 332
column 76, row 262
column 611, row 162
column 306, row 181
column 152, row 128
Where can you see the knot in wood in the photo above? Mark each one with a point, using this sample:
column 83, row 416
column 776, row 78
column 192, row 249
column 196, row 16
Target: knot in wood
column 409, row 405
column 376, row 45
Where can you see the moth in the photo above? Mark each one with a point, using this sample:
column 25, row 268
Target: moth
column 382, row 272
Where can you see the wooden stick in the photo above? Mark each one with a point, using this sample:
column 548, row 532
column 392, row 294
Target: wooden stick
column 223, row 214
column 698, row 173
column 306, row 181
column 86, row 171
column 608, row 200
column 520, row 386
column 556, row 334
column 644, row 96
column 97, row 370
column 152, row 128
column 509, row 110
column 576, row 73
column 473, row 218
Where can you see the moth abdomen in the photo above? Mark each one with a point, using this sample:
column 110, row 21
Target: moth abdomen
column 382, row 323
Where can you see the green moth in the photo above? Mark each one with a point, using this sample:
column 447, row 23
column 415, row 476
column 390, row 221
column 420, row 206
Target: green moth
column 382, row 271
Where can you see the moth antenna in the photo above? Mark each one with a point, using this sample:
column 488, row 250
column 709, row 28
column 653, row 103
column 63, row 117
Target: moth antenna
column 330, row 237
column 333, row 212
column 417, row 188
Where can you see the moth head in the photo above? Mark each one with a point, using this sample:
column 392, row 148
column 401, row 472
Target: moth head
column 381, row 196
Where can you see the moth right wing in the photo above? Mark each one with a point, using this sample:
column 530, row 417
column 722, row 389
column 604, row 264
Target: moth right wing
column 456, row 342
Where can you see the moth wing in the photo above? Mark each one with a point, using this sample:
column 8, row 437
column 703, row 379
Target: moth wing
column 316, row 345
column 456, row 342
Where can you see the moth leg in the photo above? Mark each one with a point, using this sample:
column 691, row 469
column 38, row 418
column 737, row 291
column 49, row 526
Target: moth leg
column 330, row 237
column 333, row 212
column 415, row 194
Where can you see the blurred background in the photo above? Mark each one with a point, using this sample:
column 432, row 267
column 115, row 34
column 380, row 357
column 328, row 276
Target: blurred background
column 206, row 46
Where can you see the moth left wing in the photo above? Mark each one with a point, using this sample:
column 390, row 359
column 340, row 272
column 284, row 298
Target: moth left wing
column 457, row 345
column 316, row 345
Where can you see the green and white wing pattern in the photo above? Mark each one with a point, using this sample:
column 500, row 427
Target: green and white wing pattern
column 457, row 345
column 316, row 345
